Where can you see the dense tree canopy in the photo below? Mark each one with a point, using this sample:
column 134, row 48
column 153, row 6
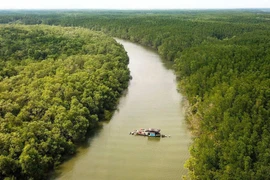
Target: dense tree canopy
column 56, row 83
column 222, row 59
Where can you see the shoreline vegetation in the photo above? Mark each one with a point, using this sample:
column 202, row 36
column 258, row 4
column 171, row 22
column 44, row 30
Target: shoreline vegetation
column 56, row 84
column 222, row 61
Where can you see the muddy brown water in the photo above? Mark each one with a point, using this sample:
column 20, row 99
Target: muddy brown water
column 151, row 100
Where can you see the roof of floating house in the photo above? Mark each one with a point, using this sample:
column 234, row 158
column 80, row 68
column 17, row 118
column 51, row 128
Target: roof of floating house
column 153, row 130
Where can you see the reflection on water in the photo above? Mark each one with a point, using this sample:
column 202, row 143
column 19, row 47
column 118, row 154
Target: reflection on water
column 151, row 101
column 153, row 139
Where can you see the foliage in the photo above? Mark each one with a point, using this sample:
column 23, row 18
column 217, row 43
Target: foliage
column 56, row 83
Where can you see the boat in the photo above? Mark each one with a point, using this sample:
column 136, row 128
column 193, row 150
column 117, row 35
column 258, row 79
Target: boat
column 150, row 132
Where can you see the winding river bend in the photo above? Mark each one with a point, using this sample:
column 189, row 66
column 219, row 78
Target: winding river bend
column 151, row 101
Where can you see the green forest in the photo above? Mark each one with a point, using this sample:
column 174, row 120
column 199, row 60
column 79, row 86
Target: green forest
column 221, row 58
column 55, row 85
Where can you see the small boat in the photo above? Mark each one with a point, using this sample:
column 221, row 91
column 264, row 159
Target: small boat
column 150, row 132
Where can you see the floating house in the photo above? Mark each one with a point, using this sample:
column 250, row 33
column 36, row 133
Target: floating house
column 153, row 132
column 150, row 132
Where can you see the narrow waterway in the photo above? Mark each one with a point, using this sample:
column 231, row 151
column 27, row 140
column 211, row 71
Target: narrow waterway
column 151, row 101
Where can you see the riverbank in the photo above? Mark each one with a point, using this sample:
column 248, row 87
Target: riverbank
column 56, row 83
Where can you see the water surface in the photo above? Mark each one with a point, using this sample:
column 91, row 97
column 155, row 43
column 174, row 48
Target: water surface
column 151, row 101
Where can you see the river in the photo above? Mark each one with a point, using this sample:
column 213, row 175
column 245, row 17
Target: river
column 150, row 101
